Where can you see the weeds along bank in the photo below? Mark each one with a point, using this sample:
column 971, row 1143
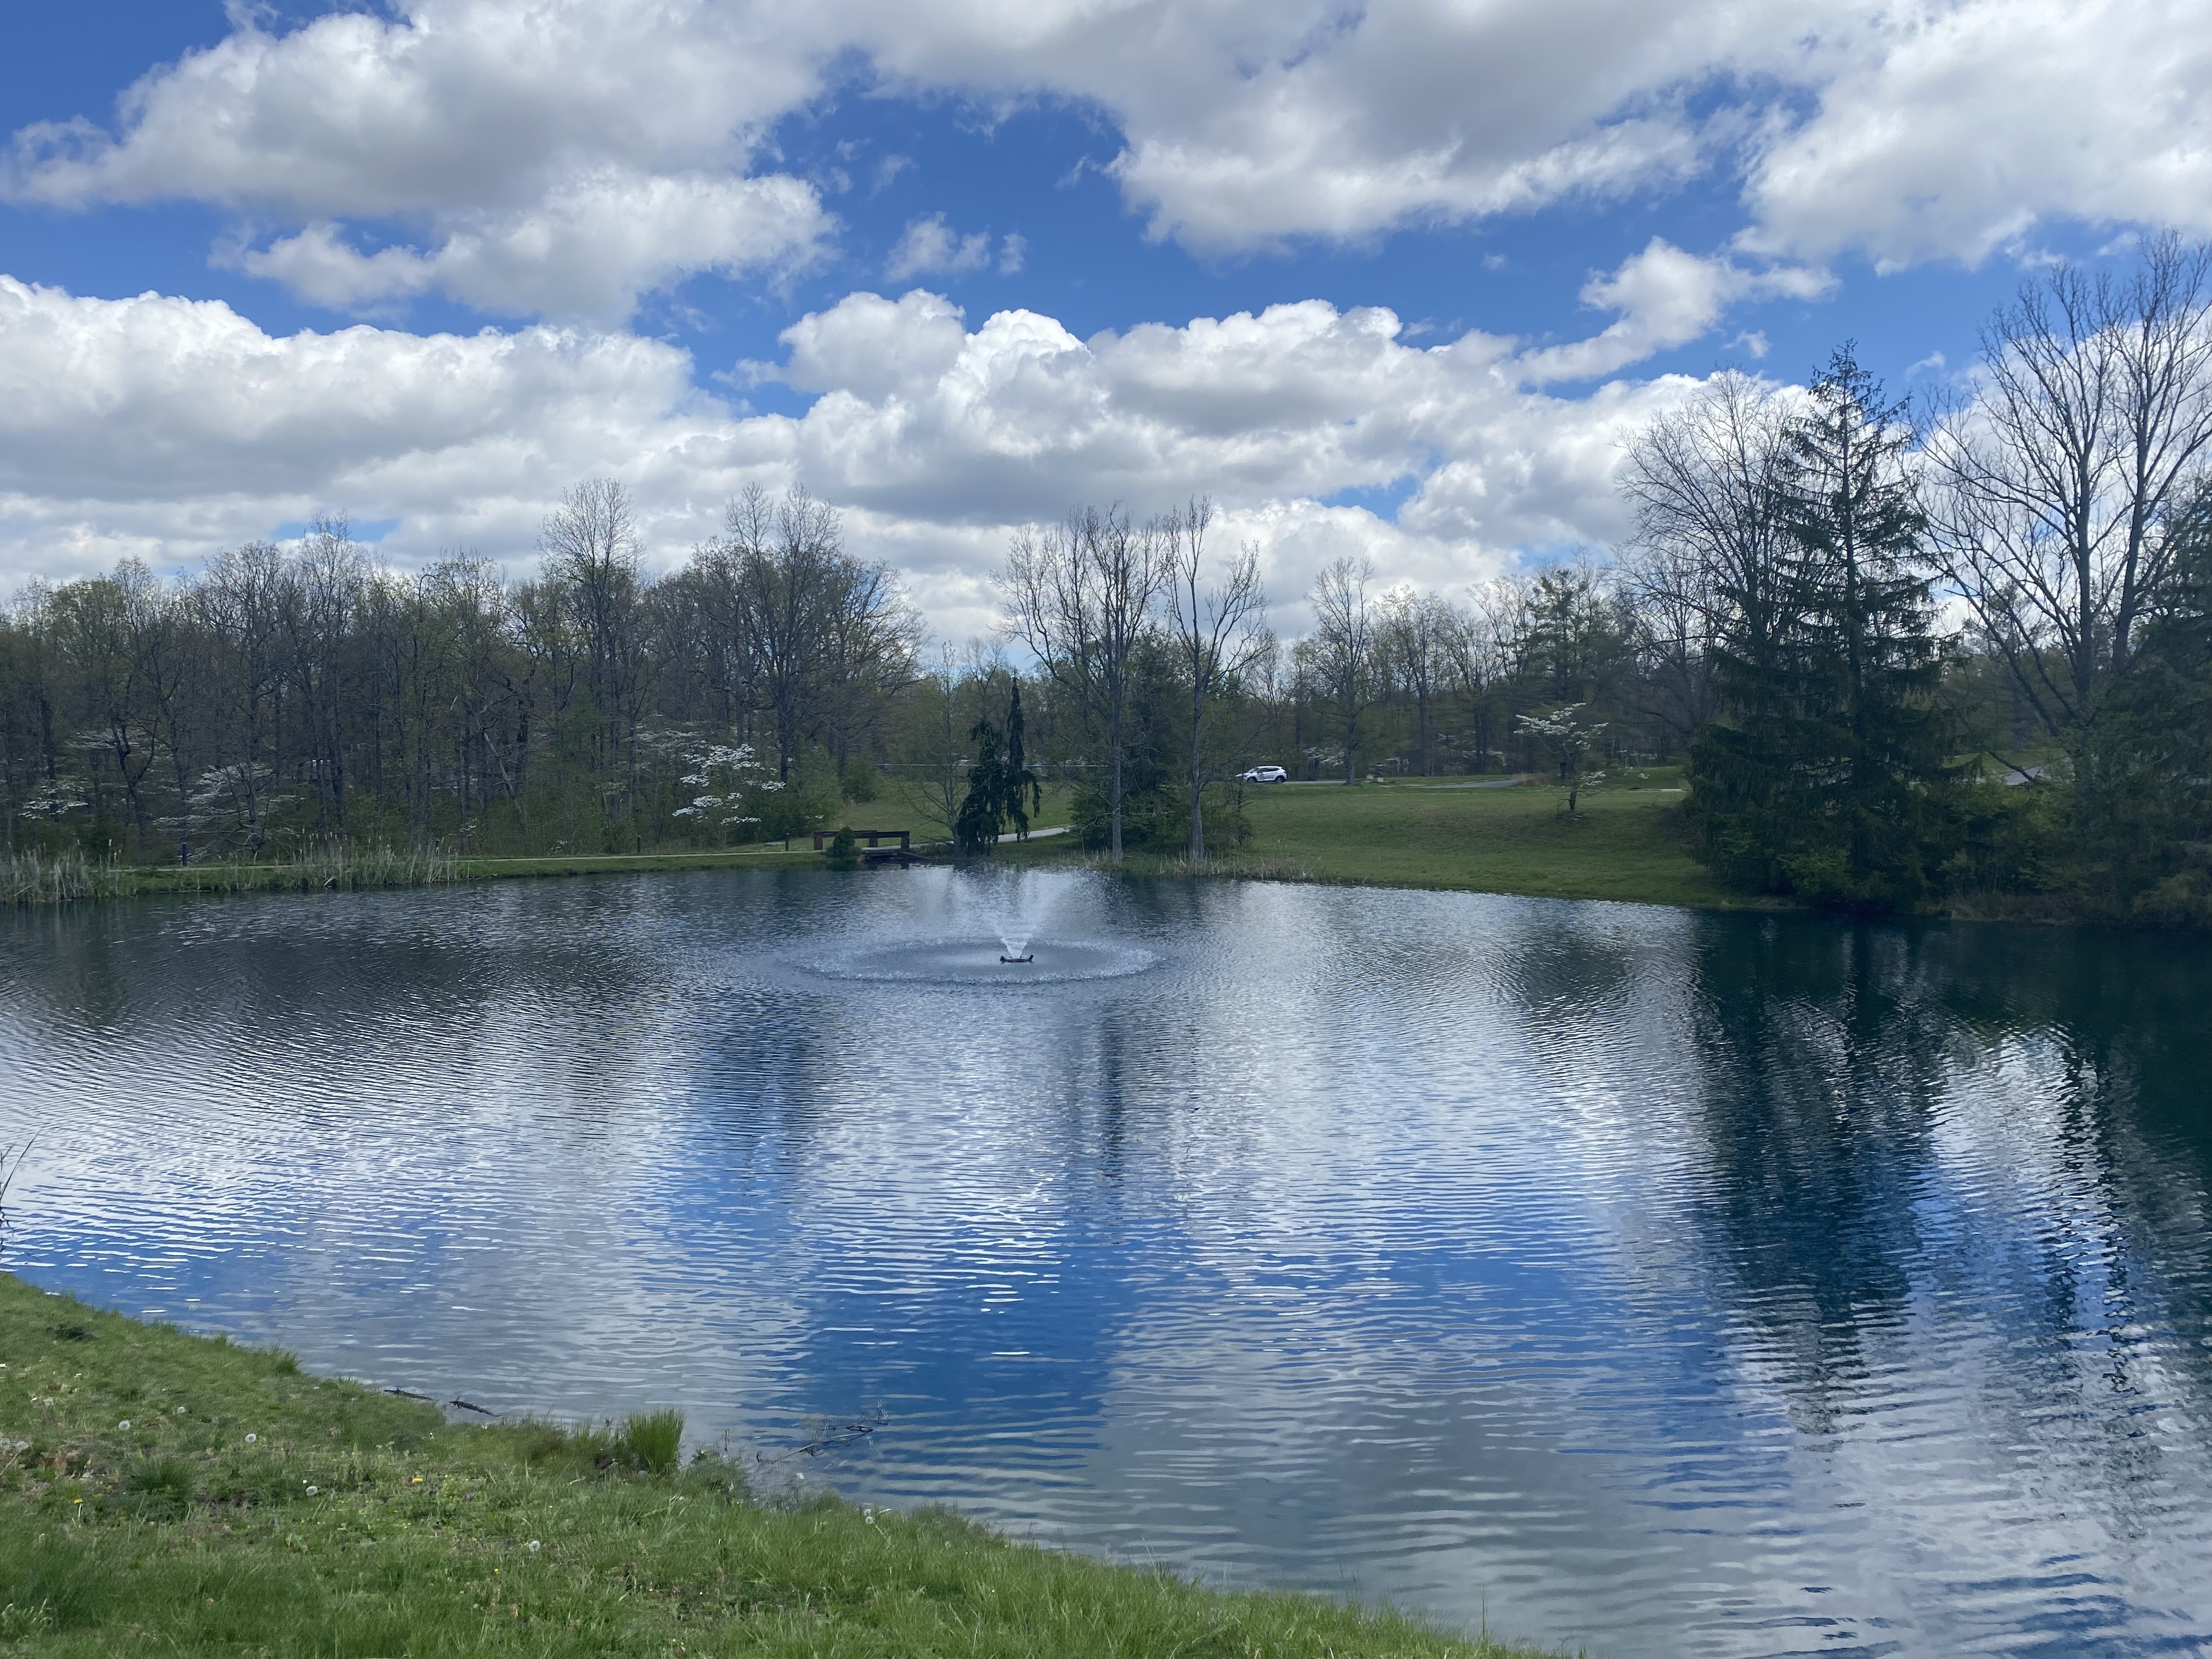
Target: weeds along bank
column 165, row 1493
column 39, row 878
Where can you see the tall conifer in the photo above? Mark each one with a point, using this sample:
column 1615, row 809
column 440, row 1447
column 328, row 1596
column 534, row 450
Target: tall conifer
column 1830, row 774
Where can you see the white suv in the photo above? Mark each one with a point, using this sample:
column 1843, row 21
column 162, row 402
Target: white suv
column 1264, row 774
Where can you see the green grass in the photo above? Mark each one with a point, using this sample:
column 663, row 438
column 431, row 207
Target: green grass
column 1625, row 843
column 164, row 1493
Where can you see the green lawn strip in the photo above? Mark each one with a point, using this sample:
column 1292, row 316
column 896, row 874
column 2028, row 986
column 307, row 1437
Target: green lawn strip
column 160, row 1492
column 1623, row 844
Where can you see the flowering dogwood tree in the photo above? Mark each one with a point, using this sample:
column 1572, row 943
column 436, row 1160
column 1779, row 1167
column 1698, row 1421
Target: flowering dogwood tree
column 1568, row 738
column 730, row 780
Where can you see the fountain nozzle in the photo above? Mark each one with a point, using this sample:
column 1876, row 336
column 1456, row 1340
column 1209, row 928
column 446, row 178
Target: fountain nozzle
column 1031, row 957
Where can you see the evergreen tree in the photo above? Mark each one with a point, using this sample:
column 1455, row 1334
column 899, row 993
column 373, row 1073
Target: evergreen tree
column 1024, row 793
column 983, row 809
column 1829, row 775
column 1001, row 791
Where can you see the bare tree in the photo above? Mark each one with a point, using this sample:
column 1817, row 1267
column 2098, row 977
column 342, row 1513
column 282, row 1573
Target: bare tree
column 870, row 647
column 1345, row 647
column 2053, row 481
column 241, row 599
column 590, row 545
column 1481, row 654
column 933, row 779
column 1218, row 630
column 327, row 579
column 1711, row 550
column 787, row 552
column 1080, row 598
column 1418, row 639
column 823, row 637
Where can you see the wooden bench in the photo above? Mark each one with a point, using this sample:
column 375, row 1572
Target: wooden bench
column 903, row 837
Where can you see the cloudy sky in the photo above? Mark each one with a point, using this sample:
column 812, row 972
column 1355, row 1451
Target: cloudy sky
column 1397, row 276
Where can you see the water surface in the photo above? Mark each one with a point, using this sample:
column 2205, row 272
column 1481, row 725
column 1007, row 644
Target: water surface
column 1663, row 1282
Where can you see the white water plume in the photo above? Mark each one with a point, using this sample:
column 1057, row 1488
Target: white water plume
column 1015, row 902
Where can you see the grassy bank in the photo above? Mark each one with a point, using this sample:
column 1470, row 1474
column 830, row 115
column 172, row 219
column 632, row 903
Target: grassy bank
column 1623, row 843
column 160, row 1492
column 36, row 878
column 32, row 879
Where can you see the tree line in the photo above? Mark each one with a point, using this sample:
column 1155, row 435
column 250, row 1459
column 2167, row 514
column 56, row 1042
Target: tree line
column 280, row 699
column 1904, row 654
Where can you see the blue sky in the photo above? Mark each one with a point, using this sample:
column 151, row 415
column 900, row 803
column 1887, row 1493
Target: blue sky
column 427, row 264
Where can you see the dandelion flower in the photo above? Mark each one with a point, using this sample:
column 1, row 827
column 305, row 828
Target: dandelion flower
column 533, row 1546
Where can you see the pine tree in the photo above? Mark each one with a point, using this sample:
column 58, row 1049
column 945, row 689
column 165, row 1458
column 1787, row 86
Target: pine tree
column 1001, row 790
column 983, row 809
column 1024, row 793
column 1830, row 774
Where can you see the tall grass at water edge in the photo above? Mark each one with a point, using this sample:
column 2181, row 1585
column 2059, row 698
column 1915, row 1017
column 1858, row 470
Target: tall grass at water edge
column 34, row 878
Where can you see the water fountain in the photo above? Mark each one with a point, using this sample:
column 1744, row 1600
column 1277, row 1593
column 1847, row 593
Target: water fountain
column 999, row 916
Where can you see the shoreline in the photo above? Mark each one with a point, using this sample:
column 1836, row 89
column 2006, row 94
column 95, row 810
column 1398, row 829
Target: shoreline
column 159, row 1489
column 1422, row 836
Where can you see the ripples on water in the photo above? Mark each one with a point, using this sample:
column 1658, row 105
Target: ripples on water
column 1668, row 1283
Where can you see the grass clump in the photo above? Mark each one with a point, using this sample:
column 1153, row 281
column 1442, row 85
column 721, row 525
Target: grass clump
column 160, row 1492
column 654, row 1439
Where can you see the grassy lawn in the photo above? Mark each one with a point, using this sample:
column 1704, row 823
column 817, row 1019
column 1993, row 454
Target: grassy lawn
column 1623, row 844
column 163, row 1493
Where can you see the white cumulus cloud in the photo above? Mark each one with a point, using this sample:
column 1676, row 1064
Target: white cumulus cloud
column 930, row 247
column 1665, row 298
column 168, row 428
column 559, row 158
column 1952, row 131
column 590, row 250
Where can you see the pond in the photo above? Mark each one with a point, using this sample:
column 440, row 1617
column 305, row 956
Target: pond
column 1666, row 1282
